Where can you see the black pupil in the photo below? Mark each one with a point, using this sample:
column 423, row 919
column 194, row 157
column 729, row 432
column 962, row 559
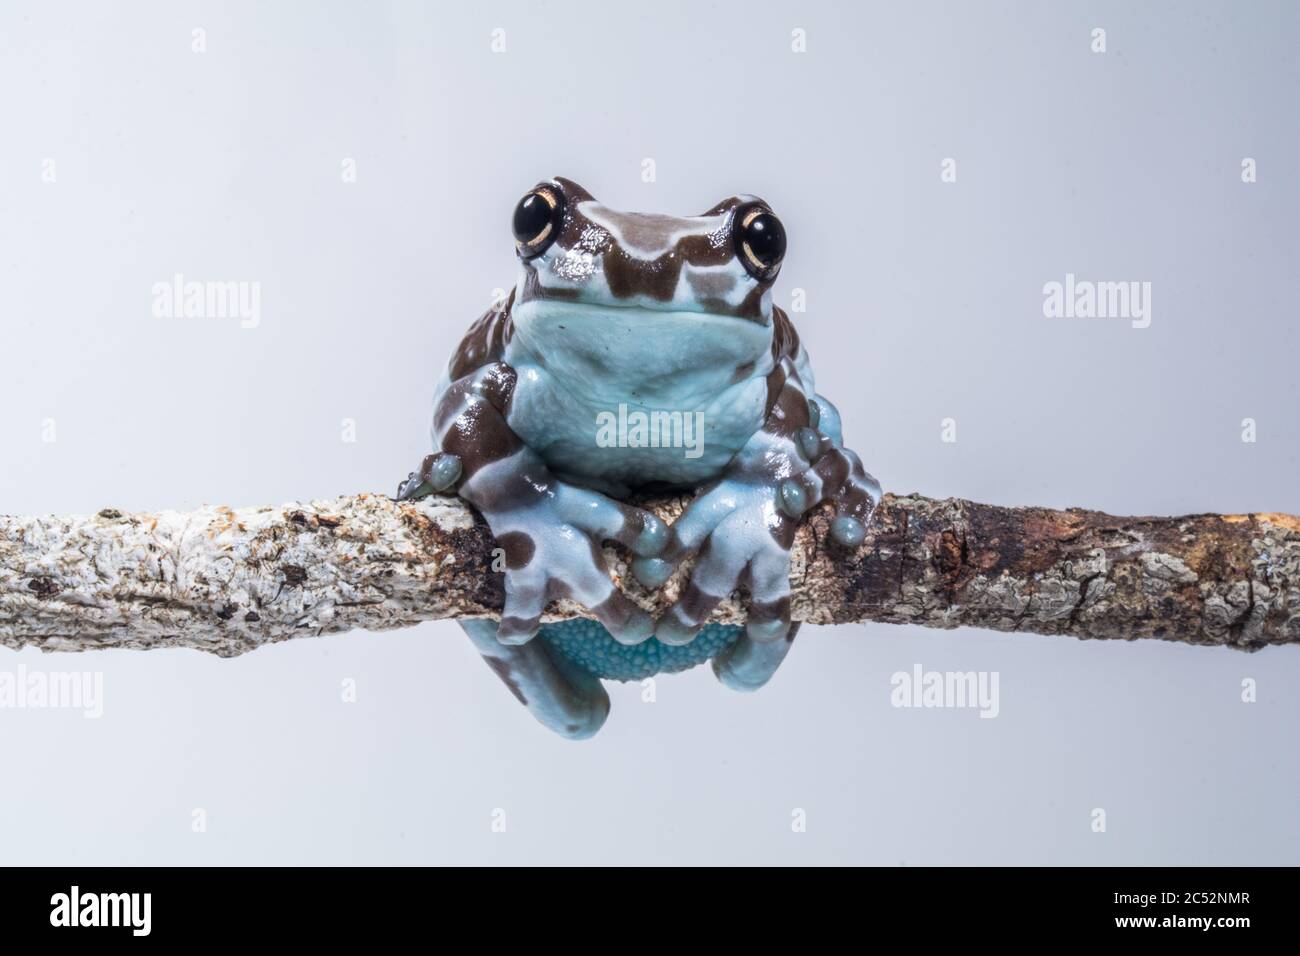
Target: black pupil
column 531, row 216
column 766, row 238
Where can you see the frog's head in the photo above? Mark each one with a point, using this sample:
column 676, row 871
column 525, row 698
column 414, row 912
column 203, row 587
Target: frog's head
column 582, row 261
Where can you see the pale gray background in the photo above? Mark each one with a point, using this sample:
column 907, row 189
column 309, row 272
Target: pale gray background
column 924, row 302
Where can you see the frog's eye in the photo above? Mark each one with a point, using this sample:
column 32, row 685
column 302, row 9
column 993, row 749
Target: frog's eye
column 760, row 241
column 537, row 222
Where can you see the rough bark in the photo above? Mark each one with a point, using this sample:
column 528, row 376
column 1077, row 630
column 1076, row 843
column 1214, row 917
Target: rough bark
column 227, row 581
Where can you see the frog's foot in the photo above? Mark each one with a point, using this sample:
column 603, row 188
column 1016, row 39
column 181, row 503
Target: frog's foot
column 742, row 539
column 747, row 664
column 564, row 698
column 743, row 529
column 437, row 473
column 552, row 549
column 836, row 476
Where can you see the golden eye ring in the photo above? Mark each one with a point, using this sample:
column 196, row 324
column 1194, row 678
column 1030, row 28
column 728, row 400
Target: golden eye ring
column 760, row 241
column 537, row 221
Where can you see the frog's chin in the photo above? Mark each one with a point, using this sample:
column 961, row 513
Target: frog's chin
column 638, row 343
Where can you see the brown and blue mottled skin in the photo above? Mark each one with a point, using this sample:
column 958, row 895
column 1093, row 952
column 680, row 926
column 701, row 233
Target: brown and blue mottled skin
column 616, row 315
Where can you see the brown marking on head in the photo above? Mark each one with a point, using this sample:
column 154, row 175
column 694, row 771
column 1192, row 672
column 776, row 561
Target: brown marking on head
column 711, row 285
column 642, row 256
column 751, row 307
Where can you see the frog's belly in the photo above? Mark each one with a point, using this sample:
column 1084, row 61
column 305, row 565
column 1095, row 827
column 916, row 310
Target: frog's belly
column 613, row 441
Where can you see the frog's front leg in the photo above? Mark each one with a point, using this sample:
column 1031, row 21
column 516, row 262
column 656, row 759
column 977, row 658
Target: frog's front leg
column 743, row 528
column 551, row 531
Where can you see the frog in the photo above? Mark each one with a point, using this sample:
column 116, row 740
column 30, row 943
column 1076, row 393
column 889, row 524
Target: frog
column 638, row 354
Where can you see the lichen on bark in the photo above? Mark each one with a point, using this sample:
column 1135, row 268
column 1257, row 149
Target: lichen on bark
column 227, row 581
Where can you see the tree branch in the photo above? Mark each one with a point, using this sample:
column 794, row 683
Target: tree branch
column 227, row 581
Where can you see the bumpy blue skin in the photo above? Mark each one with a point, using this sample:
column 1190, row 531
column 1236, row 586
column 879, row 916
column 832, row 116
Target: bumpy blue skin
column 617, row 314
column 589, row 646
